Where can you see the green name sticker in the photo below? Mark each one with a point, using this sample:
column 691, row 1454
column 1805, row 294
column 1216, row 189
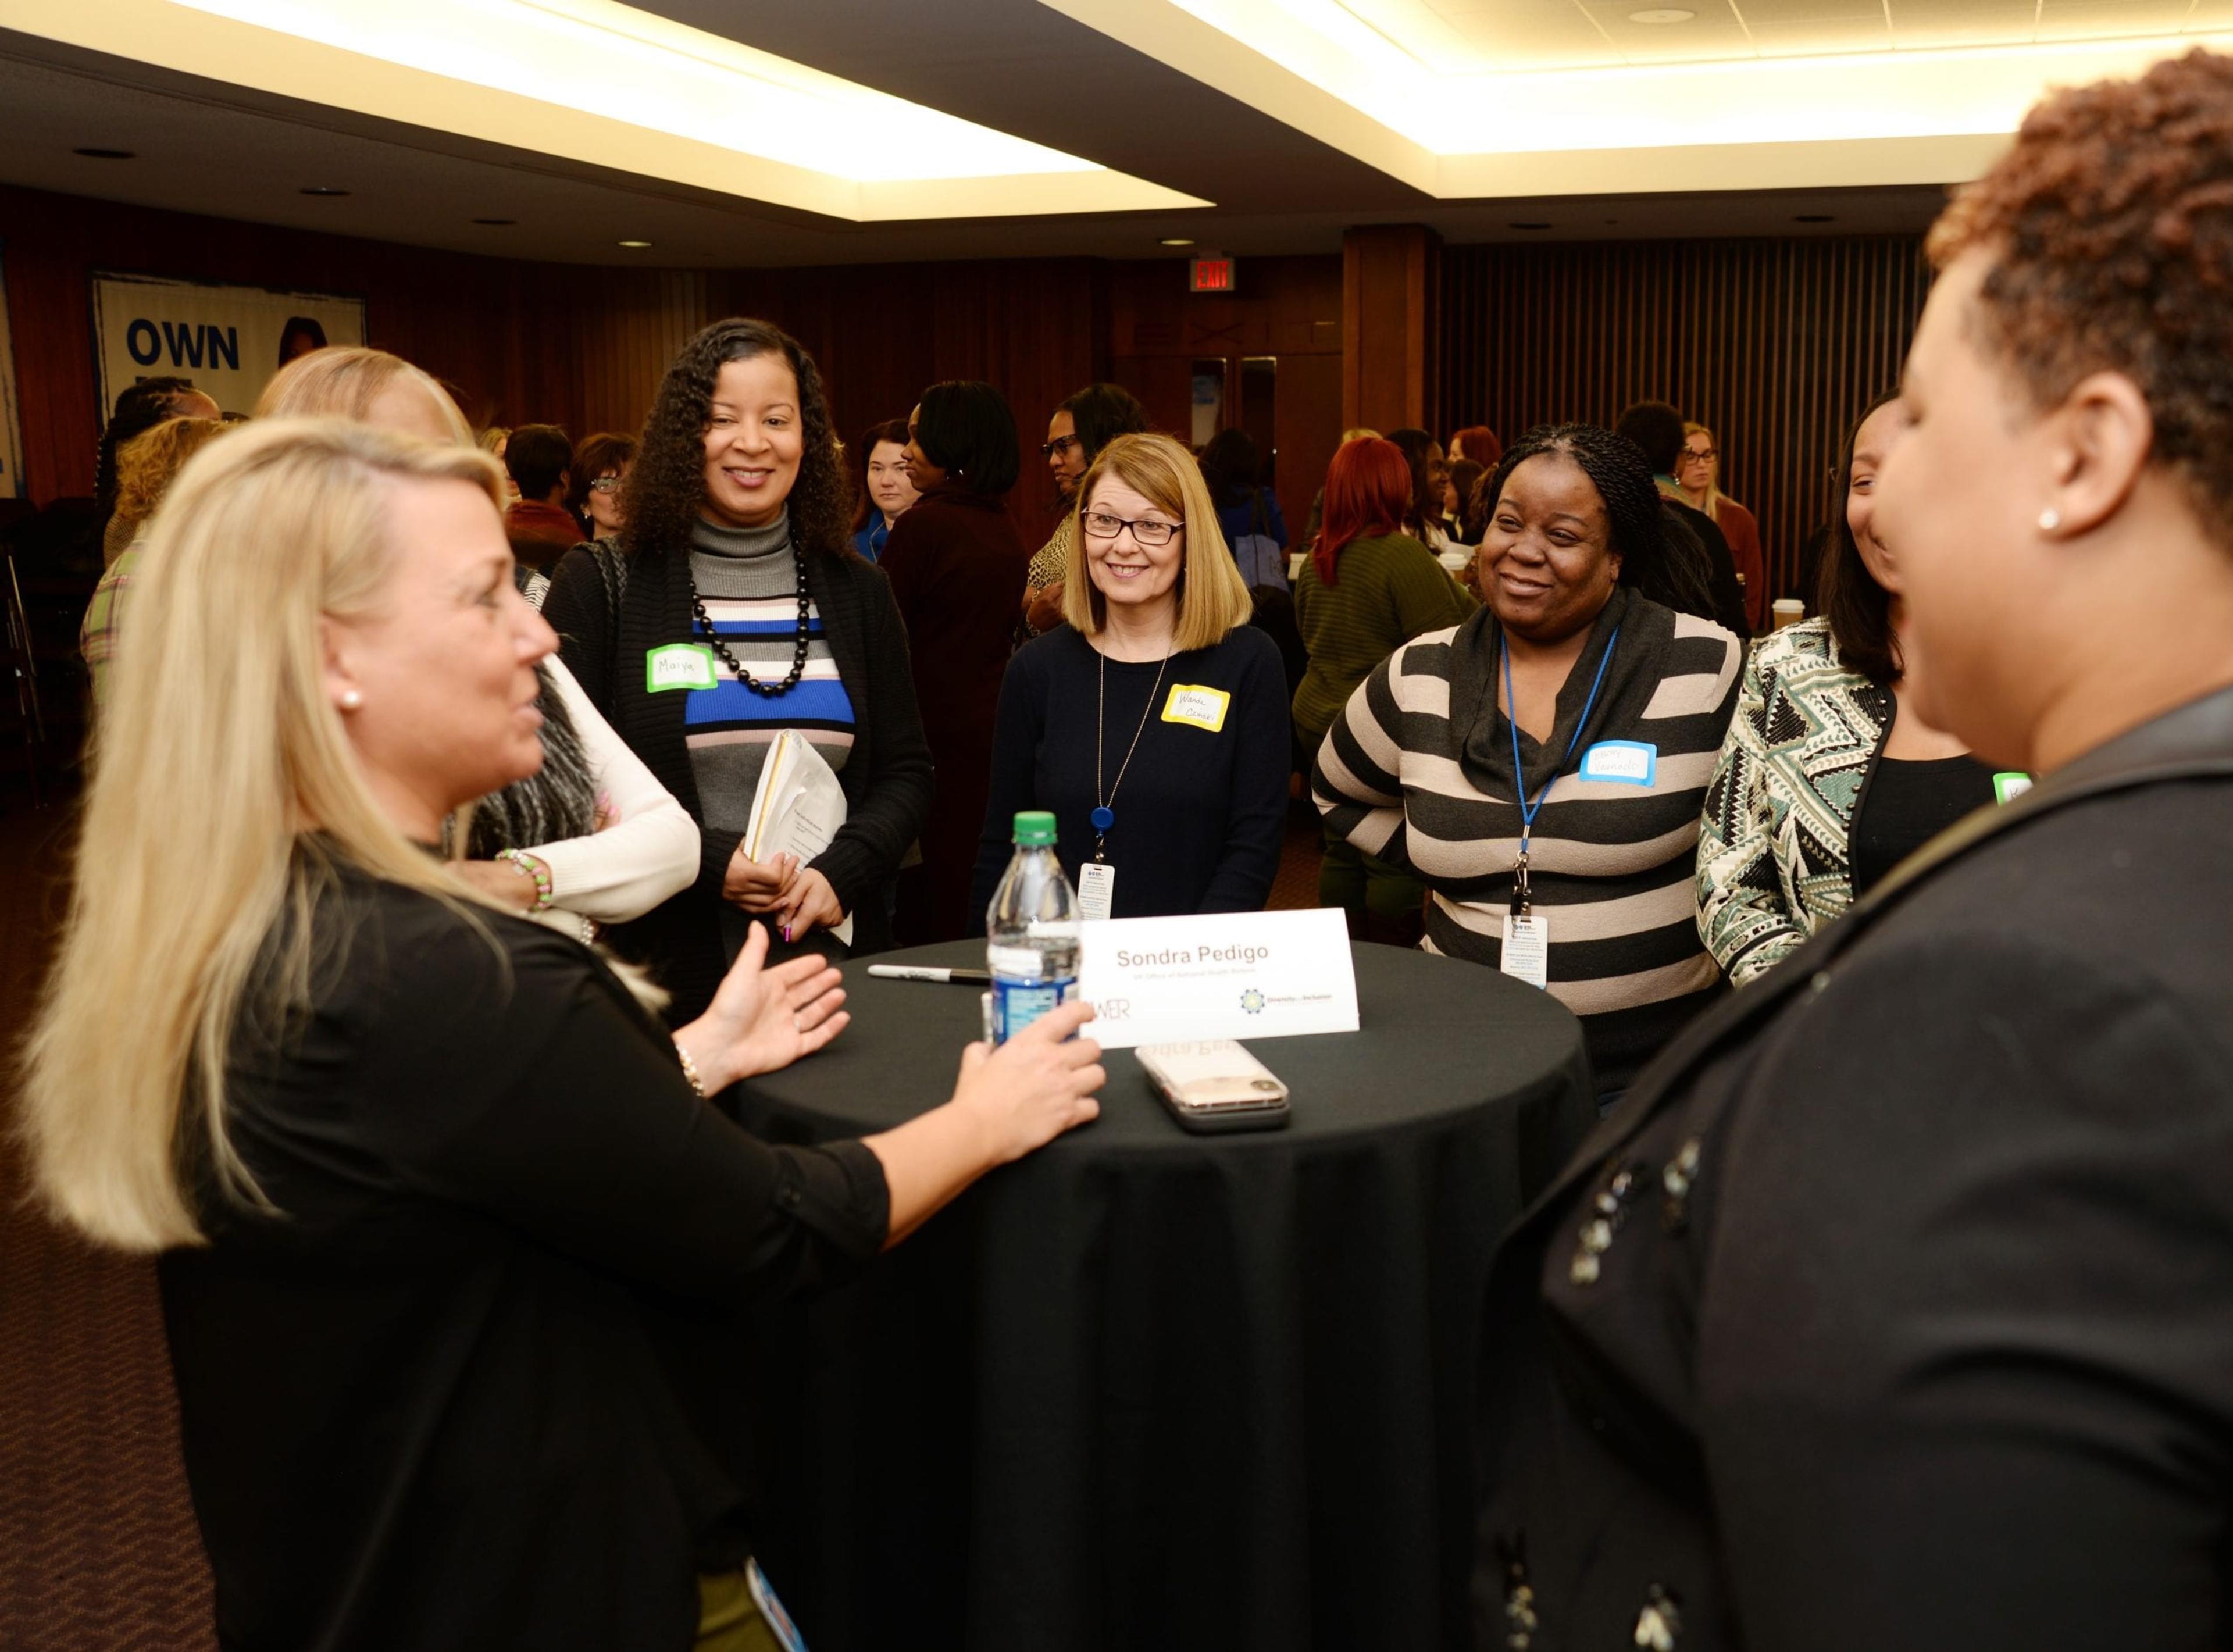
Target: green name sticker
column 679, row 665
column 2010, row 784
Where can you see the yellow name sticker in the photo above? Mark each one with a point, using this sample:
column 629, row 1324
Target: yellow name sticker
column 1203, row 708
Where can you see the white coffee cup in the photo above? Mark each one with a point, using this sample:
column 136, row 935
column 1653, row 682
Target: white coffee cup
column 1789, row 610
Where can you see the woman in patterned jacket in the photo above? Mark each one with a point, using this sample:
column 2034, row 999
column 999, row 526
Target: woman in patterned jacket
column 1828, row 778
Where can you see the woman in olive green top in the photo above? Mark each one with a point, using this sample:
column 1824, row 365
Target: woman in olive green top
column 1367, row 590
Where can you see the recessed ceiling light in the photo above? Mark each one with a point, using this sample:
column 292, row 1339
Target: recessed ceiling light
column 1662, row 13
column 1178, row 241
column 1813, row 217
column 1528, row 223
column 107, row 154
column 323, row 190
column 636, row 244
column 497, row 223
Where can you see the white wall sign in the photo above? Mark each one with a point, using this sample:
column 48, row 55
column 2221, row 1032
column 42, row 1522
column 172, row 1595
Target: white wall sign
column 229, row 340
column 1229, row 975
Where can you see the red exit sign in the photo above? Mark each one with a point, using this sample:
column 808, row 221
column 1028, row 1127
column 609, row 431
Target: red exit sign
column 1209, row 275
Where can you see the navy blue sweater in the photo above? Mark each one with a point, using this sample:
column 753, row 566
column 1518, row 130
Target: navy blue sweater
column 1201, row 814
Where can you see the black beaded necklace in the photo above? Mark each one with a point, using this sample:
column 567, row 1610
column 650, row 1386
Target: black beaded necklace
column 798, row 655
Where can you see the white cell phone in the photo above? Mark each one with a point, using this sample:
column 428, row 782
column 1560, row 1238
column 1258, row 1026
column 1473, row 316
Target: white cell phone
column 1215, row 1084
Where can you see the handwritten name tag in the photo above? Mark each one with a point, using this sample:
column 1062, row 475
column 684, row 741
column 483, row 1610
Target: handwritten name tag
column 1627, row 762
column 1203, row 708
column 1229, row 975
column 679, row 665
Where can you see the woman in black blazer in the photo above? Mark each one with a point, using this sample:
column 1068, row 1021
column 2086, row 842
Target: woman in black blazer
column 733, row 608
column 1894, row 1307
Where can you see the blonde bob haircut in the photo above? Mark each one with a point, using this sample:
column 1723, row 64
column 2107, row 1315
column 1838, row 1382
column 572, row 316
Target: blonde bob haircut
column 1211, row 602
column 347, row 379
column 224, row 792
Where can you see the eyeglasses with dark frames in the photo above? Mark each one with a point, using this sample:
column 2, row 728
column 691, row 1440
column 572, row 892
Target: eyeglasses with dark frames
column 1702, row 455
column 1048, row 449
column 1099, row 524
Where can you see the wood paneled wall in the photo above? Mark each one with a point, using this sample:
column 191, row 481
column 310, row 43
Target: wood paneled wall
column 1036, row 329
column 1775, row 344
column 577, row 346
column 1286, row 308
column 573, row 345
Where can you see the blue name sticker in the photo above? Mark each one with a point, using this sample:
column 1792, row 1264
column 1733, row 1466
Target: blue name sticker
column 1627, row 762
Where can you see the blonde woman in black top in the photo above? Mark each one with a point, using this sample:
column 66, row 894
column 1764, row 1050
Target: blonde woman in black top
column 425, row 1179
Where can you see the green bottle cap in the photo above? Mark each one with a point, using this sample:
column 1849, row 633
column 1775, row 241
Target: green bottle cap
column 1035, row 827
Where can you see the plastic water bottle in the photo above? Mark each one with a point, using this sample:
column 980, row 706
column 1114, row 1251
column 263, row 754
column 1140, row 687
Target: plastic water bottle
column 1031, row 931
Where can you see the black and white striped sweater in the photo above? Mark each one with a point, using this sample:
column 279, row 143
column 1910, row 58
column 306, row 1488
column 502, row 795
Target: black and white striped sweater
column 1418, row 769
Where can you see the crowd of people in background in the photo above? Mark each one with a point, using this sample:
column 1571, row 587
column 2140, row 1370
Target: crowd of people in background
column 878, row 600
column 1536, row 702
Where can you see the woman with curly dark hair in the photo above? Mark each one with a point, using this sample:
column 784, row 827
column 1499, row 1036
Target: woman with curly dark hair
column 730, row 609
column 1895, row 1308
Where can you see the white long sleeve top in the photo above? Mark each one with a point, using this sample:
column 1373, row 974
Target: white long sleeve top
column 648, row 853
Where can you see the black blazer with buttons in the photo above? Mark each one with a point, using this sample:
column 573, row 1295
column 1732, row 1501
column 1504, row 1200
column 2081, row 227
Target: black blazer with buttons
column 1894, row 1306
column 887, row 777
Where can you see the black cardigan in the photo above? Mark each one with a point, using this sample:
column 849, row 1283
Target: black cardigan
column 448, row 1396
column 1894, row 1305
column 887, row 779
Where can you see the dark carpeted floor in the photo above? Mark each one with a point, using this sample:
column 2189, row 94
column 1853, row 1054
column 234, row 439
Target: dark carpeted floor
column 98, row 1551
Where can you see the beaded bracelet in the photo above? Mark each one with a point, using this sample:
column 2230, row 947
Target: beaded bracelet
column 529, row 866
column 690, row 1070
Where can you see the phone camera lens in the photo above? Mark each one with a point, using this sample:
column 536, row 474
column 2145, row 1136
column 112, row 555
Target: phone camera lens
column 1263, row 1084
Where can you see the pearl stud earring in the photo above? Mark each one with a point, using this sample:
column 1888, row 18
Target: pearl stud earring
column 2049, row 519
column 351, row 700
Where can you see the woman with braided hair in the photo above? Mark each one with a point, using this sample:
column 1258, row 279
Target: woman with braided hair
column 730, row 609
column 1541, row 767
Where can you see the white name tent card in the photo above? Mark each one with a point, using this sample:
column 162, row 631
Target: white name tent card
column 1224, row 975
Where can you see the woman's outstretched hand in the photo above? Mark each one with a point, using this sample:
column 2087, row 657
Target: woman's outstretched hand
column 1034, row 1087
column 1008, row 1102
column 765, row 1018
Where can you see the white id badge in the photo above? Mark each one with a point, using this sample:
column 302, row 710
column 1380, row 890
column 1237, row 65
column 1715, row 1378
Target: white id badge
column 1096, row 891
column 1527, row 949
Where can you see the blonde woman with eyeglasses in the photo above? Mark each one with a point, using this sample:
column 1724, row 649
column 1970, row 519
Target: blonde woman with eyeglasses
column 1699, row 478
column 1153, row 725
column 425, row 1178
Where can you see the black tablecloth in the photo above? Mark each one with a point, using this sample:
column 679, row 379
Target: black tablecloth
column 1146, row 1390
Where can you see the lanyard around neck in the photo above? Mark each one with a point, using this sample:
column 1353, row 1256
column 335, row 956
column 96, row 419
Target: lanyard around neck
column 1104, row 812
column 1528, row 811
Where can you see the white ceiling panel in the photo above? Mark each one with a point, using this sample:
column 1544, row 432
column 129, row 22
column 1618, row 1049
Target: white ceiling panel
column 1917, row 26
column 2108, row 19
column 1865, row 31
column 1717, row 31
column 1518, row 35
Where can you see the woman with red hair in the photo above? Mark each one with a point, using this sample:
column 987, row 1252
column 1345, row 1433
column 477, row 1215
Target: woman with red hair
column 1368, row 588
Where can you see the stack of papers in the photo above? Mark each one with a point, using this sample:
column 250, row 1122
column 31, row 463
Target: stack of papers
column 798, row 808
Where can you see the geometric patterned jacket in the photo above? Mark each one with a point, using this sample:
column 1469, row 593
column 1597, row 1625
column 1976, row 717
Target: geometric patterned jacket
column 1773, row 859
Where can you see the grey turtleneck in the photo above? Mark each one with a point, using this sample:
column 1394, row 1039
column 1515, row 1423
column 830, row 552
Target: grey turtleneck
column 750, row 576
